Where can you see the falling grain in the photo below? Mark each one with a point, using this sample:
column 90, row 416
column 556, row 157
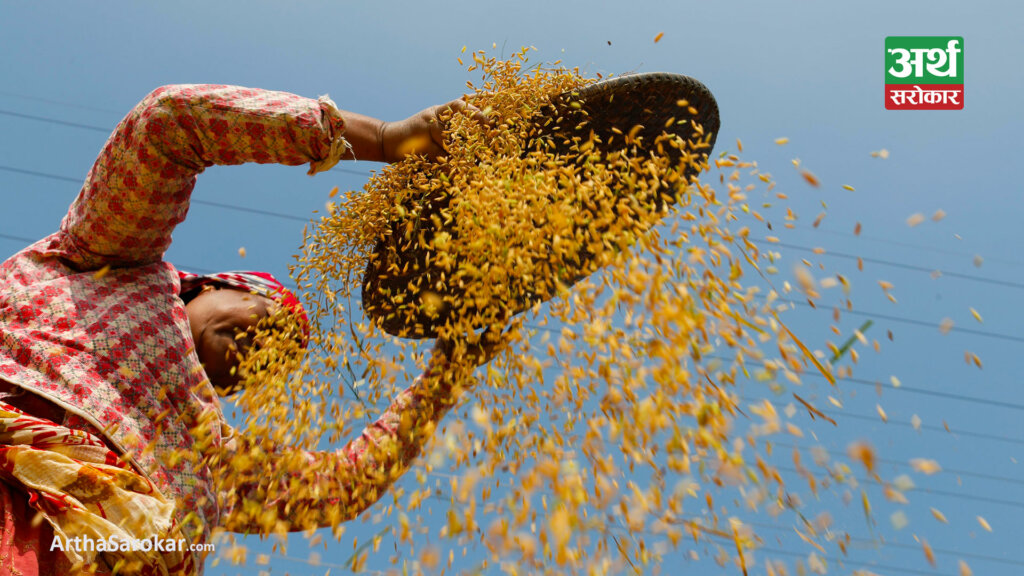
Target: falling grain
column 915, row 219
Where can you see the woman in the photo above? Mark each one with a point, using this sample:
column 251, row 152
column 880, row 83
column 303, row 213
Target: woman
column 108, row 377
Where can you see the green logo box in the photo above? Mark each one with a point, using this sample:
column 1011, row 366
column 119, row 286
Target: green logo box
column 924, row 60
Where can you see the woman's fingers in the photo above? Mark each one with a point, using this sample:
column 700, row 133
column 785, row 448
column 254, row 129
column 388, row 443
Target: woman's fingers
column 462, row 105
column 445, row 112
column 423, row 133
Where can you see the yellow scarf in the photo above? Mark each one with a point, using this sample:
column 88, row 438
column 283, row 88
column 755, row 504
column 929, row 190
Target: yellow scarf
column 92, row 499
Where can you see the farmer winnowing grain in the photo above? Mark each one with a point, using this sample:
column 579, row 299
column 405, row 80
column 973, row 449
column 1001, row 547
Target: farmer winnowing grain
column 110, row 357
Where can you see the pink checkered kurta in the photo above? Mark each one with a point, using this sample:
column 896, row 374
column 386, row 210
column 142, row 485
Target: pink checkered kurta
column 115, row 349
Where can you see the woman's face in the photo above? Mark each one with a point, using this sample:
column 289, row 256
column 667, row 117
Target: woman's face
column 223, row 323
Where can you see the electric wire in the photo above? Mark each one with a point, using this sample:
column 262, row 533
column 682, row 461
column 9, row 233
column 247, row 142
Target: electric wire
column 54, row 121
column 935, row 492
column 922, row 247
column 875, row 418
column 836, row 560
column 863, row 382
column 13, row 238
column 901, row 545
column 103, row 130
column 910, row 389
column 788, row 530
column 193, row 200
column 964, row 473
column 60, row 102
column 926, row 427
column 912, row 321
column 915, row 268
column 17, row 238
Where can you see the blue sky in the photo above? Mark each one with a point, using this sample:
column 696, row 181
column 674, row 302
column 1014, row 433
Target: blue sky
column 808, row 71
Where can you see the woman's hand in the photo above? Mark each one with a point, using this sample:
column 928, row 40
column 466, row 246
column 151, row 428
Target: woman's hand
column 423, row 133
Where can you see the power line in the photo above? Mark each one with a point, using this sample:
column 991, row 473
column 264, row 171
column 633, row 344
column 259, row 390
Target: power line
column 904, row 423
column 355, row 172
column 787, row 529
column 350, row 171
column 902, row 265
column 16, row 238
column 252, row 210
column 55, row 121
column 940, row 492
column 971, row 331
column 921, row 247
column 188, row 267
column 915, row 390
column 58, row 102
column 835, row 560
column 912, row 321
column 104, row 130
column 41, row 174
column 965, row 473
column 192, row 200
column 927, row 427
column 935, row 491
column 892, row 421
column 889, row 543
column 861, row 381
column 842, row 561
column 926, row 392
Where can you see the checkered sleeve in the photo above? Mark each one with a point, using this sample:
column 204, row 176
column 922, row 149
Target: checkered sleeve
column 139, row 188
column 297, row 489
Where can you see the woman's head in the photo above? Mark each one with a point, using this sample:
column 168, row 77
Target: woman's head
column 226, row 312
column 224, row 322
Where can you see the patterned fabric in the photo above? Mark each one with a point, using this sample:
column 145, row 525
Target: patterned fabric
column 24, row 542
column 83, row 490
column 91, row 318
column 262, row 283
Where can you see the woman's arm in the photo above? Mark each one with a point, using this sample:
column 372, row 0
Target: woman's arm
column 139, row 188
column 319, row 489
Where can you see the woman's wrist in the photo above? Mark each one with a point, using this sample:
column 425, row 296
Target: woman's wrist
column 381, row 140
column 365, row 135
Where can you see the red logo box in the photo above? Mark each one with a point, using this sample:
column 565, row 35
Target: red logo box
column 924, row 96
